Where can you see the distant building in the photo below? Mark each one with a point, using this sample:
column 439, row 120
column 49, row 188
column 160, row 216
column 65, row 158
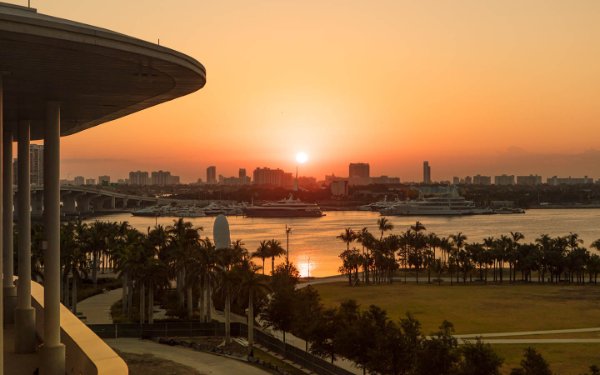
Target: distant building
column 455, row 180
column 211, row 175
column 482, row 180
column 339, row 188
column 272, row 177
column 139, row 178
column 530, row 180
column 385, row 180
column 504, row 180
column 36, row 164
column 569, row 180
column 78, row 181
column 90, row 181
column 426, row 173
column 468, row 180
column 359, row 174
column 103, row 180
column 163, row 178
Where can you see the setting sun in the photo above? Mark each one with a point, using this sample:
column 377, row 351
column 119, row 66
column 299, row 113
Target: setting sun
column 301, row 157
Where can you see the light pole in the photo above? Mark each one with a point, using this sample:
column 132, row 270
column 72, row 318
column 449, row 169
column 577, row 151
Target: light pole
column 288, row 230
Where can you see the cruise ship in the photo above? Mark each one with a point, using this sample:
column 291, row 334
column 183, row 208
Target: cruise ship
column 289, row 207
column 450, row 204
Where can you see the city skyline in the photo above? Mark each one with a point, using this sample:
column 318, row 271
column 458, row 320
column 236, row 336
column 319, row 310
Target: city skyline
column 454, row 84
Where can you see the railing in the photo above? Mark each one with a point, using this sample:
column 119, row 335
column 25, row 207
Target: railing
column 86, row 354
column 195, row 329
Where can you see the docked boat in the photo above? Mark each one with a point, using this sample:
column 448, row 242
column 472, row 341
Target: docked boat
column 289, row 207
column 379, row 205
column 167, row 210
column 450, row 204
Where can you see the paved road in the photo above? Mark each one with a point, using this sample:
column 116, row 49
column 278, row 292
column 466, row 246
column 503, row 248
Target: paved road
column 205, row 363
column 528, row 333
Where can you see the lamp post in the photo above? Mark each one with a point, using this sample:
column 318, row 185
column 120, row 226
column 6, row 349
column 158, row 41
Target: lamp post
column 288, row 230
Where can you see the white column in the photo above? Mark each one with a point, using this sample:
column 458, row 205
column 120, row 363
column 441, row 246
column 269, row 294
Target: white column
column 53, row 352
column 10, row 292
column 2, row 257
column 25, row 340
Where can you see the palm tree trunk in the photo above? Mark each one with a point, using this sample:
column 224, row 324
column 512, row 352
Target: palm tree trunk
column 124, row 293
column 129, row 298
column 227, row 318
column 65, row 291
column 142, row 303
column 94, row 267
column 263, row 267
column 272, row 265
column 188, row 297
column 205, row 302
column 209, row 301
column 150, row 304
column 74, row 295
column 250, row 324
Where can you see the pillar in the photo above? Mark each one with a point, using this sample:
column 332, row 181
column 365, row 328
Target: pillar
column 1, row 234
column 25, row 341
column 53, row 351
column 9, row 290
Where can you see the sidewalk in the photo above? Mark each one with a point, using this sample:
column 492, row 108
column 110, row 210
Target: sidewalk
column 96, row 309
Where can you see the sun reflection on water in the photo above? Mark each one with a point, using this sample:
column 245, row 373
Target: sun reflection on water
column 306, row 266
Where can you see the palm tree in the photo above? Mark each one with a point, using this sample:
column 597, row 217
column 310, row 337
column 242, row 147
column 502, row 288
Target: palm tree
column 384, row 225
column 418, row 227
column 347, row 236
column 228, row 280
column 252, row 285
column 366, row 239
column 262, row 252
column 275, row 250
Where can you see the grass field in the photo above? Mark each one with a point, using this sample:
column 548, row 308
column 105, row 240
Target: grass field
column 147, row 364
column 478, row 308
column 564, row 359
column 493, row 308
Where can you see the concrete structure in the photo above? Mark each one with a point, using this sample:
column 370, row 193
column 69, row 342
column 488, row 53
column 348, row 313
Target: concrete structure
column 104, row 180
column 426, row 173
column 504, row 180
column 36, row 164
column 385, row 180
column 211, row 175
column 272, row 177
column 90, row 181
column 139, row 178
column 59, row 77
column 482, row 180
column 359, row 174
column 555, row 181
column 339, row 188
column 221, row 234
column 79, row 181
column 530, row 180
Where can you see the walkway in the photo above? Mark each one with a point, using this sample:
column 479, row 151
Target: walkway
column 208, row 364
column 96, row 309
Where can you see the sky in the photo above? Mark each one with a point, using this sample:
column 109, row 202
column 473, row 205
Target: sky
column 474, row 87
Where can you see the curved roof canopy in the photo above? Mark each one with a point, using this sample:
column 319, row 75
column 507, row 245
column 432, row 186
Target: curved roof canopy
column 96, row 74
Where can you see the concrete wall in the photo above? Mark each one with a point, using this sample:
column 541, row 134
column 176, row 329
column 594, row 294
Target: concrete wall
column 86, row 353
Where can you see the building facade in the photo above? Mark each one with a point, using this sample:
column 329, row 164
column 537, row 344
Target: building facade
column 426, row 173
column 211, row 175
column 504, row 180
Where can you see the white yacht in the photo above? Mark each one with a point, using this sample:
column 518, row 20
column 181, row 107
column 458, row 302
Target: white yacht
column 289, row 207
column 449, row 204
column 379, row 205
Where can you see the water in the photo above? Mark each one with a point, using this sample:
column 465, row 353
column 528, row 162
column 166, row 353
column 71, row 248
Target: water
column 314, row 247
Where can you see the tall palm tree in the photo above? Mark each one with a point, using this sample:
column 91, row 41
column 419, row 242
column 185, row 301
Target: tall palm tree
column 262, row 252
column 253, row 286
column 275, row 250
column 228, row 280
column 384, row 225
column 347, row 236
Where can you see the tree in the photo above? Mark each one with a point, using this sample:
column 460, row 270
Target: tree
column 253, row 286
column 347, row 236
column 262, row 252
column 275, row 250
column 279, row 312
column 307, row 311
column 532, row 364
column 384, row 225
column 438, row 354
column 479, row 358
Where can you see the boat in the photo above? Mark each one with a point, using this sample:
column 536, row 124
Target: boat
column 448, row 204
column 379, row 205
column 289, row 207
column 167, row 210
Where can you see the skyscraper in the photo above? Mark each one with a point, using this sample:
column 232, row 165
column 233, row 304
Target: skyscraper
column 36, row 164
column 211, row 175
column 359, row 174
column 426, row 173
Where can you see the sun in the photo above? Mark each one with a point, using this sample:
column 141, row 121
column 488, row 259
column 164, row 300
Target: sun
column 301, row 157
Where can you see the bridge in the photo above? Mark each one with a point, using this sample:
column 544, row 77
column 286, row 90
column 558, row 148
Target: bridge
column 84, row 200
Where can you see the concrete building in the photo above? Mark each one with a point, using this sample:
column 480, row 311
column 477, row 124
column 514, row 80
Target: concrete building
column 104, row 180
column 163, row 178
column 272, row 177
column 482, row 180
column 59, row 77
column 359, row 174
column 426, row 173
column 385, row 180
column 78, row 181
column 555, row 181
column 90, row 181
column 504, row 180
column 139, row 178
column 36, row 164
column 211, row 175
column 339, row 188
column 530, row 180
column 455, row 180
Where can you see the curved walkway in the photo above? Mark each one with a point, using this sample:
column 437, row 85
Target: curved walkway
column 96, row 309
column 208, row 364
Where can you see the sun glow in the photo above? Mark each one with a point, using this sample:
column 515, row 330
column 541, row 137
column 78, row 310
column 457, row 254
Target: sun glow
column 306, row 268
column 301, row 157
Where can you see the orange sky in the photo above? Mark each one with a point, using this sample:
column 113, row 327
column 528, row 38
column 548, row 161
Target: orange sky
column 472, row 86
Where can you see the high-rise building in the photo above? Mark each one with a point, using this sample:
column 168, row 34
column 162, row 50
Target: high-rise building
column 504, row 180
column 78, row 181
column 90, row 181
column 482, row 180
column 426, row 173
column 211, row 175
column 242, row 174
column 361, row 170
column 529, row 180
column 272, row 177
column 569, row 180
column 139, row 178
column 160, row 178
column 104, row 180
column 36, row 163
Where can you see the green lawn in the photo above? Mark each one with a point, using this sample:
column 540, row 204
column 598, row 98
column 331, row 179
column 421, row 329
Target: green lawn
column 564, row 359
column 478, row 308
